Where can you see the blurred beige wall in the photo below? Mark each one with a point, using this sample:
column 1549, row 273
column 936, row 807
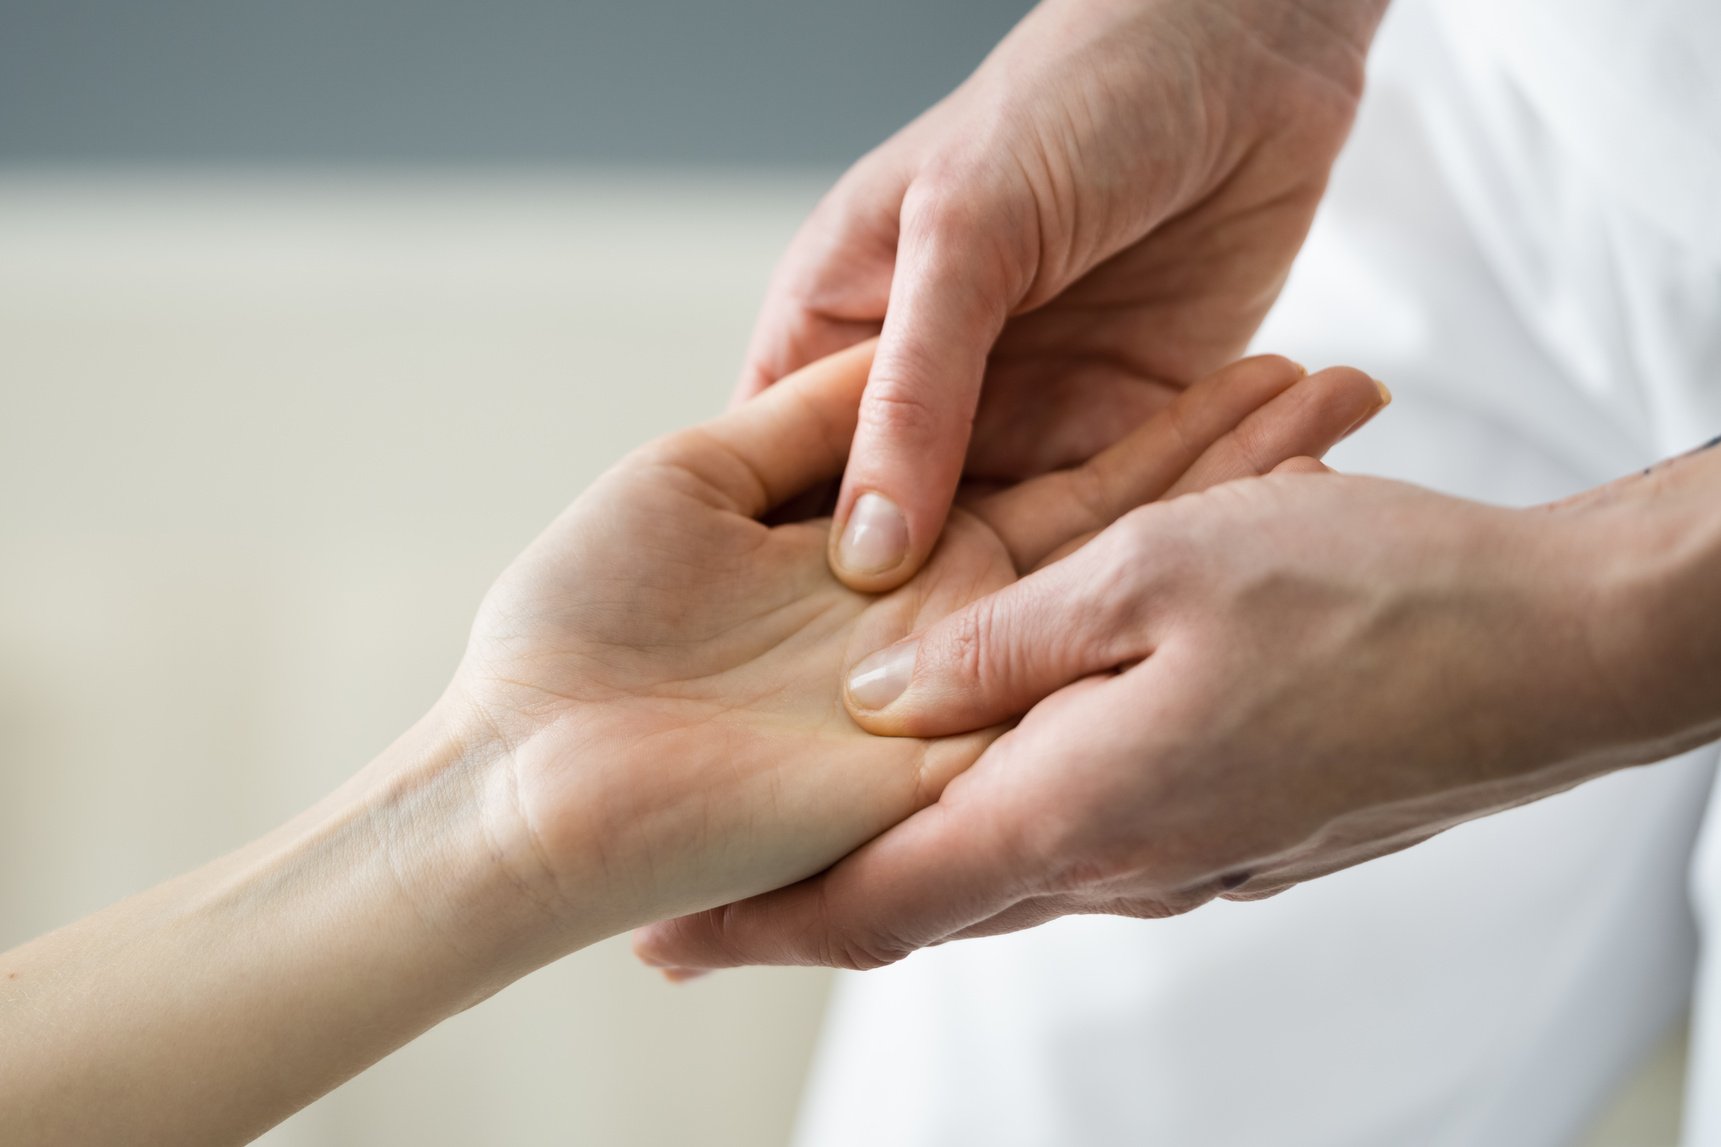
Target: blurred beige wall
column 263, row 443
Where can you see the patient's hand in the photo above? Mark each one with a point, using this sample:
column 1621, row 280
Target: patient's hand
column 660, row 671
column 647, row 722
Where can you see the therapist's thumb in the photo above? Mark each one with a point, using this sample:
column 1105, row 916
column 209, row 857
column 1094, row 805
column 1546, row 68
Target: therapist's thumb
column 999, row 656
column 948, row 301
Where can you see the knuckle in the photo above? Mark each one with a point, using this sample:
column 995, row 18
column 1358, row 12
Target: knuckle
column 863, row 951
column 896, row 400
column 721, row 930
column 913, row 399
column 968, row 643
column 956, row 217
column 941, row 202
column 1150, row 547
column 1159, row 907
column 909, row 421
column 1131, row 569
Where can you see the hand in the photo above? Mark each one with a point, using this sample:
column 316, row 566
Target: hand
column 663, row 669
column 1258, row 685
column 647, row 721
column 1113, row 199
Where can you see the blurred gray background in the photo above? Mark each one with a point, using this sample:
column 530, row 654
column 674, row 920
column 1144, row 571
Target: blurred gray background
column 446, row 82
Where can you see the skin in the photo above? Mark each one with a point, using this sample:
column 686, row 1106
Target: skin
column 647, row 721
column 1229, row 694
column 1261, row 684
column 1100, row 215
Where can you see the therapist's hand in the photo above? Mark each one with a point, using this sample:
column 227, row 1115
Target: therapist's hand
column 1256, row 685
column 1106, row 208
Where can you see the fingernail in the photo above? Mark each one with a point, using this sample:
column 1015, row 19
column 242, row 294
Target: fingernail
column 1385, row 394
column 880, row 679
column 876, row 538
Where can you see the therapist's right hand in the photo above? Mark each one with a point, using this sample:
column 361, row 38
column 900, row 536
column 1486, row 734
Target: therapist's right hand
column 1099, row 216
column 1233, row 692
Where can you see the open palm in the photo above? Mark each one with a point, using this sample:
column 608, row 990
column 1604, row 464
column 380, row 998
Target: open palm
column 665, row 669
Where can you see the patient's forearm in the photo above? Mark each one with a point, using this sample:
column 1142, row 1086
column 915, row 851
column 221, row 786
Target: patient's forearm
column 212, row 1006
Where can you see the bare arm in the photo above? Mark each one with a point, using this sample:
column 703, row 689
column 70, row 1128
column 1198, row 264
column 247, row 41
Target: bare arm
column 211, row 1007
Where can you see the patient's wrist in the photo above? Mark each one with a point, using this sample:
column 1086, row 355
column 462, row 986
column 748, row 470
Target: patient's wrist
column 437, row 818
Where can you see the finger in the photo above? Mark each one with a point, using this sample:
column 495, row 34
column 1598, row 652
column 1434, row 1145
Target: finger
column 1299, row 426
column 1035, row 418
column 873, row 908
column 764, row 452
column 1094, row 610
column 1039, row 515
column 1307, row 419
column 946, row 309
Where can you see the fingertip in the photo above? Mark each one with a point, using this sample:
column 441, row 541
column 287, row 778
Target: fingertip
column 871, row 548
column 1365, row 393
column 1325, row 408
column 1352, row 380
column 880, row 679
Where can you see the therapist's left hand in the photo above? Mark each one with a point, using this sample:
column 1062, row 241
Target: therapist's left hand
column 1249, row 687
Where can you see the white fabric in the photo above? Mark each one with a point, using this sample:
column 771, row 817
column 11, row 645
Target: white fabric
column 1516, row 243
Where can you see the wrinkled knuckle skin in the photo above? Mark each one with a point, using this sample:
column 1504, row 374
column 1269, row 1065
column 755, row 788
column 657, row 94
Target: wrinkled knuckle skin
column 896, row 409
column 863, row 952
column 966, row 648
column 1159, row 907
column 717, row 931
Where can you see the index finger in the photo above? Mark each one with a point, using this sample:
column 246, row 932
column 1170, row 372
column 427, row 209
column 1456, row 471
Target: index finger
column 918, row 408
